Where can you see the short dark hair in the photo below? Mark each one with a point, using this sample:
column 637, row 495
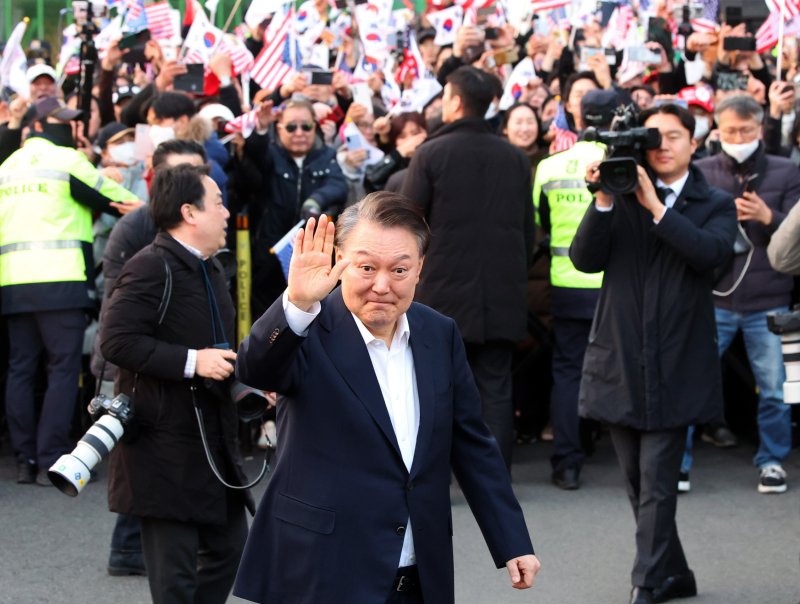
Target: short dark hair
column 177, row 147
column 474, row 87
column 576, row 77
column 173, row 105
column 388, row 210
column 684, row 115
column 171, row 188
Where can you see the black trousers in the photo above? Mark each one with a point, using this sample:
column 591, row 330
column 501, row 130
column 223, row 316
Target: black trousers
column 59, row 335
column 571, row 336
column 651, row 463
column 491, row 367
column 191, row 563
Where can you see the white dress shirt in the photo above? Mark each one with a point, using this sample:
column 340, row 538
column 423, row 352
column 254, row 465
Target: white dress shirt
column 394, row 369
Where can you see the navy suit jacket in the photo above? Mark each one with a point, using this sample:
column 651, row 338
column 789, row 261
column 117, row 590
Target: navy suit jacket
column 330, row 525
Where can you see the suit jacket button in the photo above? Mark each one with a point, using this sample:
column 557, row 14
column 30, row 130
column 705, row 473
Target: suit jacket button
column 410, row 486
column 400, row 530
column 274, row 335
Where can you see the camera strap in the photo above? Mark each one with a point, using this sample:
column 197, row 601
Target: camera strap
column 742, row 237
column 199, row 414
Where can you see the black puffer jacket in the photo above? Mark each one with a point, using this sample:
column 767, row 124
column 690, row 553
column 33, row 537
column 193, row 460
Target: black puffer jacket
column 778, row 184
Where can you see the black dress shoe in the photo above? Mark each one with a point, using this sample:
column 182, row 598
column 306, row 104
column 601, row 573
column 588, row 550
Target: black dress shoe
column 26, row 472
column 676, row 586
column 121, row 564
column 720, row 436
column 42, row 480
column 641, row 595
column 566, row 478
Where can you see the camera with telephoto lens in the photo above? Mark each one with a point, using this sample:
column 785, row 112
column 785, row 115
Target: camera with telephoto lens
column 787, row 326
column 626, row 143
column 72, row 471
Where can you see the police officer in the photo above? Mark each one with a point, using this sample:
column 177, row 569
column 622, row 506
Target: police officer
column 48, row 190
column 561, row 198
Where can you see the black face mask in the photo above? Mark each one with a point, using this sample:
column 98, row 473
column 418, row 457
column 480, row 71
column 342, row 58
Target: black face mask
column 546, row 125
column 58, row 134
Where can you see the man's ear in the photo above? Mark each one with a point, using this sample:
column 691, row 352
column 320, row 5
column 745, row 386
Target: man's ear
column 187, row 213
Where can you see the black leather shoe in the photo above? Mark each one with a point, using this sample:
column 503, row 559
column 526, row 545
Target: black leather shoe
column 122, row 564
column 641, row 595
column 567, row 478
column 676, row 586
column 26, row 472
column 720, row 436
column 42, row 480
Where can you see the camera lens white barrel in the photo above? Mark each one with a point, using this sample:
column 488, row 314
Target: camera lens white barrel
column 72, row 471
column 790, row 346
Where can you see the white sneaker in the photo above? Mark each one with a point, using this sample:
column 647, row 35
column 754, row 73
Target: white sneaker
column 684, row 486
column 772, row 480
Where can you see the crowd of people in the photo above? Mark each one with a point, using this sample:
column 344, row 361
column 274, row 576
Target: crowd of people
column 610, row 289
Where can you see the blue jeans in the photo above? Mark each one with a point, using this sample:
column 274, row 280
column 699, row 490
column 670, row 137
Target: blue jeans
column 766, row 361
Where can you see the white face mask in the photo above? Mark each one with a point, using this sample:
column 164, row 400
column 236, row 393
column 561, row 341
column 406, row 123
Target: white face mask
column 740, row 152
column 123, row 154
column 701, row 127
column 159, row 134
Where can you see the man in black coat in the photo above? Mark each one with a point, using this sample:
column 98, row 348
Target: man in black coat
column 766, row 187
column 475, row 190
column 651, row 367
column 299, row 177
column 172, row 343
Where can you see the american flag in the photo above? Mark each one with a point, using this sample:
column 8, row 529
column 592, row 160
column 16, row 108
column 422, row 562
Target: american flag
column 159, row 20
column 545, row 5
column 133, row 8
column 767, row 34
column 237, row 51
column 792, row 7
column 622, row 19
column 476, row 4
column 564, row 137
column 272, row 66
column 245, row 123
column 703, row 25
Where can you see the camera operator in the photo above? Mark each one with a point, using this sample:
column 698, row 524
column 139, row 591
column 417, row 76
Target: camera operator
column 173, row 358
column 651, row 366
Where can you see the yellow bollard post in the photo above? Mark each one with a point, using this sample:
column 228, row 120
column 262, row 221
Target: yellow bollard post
column 243, row 277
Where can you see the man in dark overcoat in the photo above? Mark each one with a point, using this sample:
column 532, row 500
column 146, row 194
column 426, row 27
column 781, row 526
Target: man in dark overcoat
column 169, row 325
column 651, row 367
column 475, row 190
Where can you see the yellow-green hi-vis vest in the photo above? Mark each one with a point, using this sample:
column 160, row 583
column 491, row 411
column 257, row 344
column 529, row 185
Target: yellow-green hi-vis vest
column 561, row 177
column 42, row 228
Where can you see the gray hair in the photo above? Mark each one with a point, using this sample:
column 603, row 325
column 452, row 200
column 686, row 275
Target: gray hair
column 388, row 210
column 746, row 107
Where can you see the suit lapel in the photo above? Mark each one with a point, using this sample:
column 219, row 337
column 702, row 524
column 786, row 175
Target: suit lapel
column 423, row 369
column 345, row 347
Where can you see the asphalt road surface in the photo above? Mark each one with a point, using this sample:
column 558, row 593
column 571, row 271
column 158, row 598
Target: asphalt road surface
column 743, row 546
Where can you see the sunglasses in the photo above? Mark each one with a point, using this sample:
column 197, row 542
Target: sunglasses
column 291, row 127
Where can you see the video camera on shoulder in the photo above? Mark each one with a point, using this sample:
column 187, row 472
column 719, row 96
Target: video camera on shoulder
column 626, row 145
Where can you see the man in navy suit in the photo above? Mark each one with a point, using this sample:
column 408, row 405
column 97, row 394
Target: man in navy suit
column 376, row 405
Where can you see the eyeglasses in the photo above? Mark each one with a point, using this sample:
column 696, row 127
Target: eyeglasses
column 744, row 132
column 292, row 126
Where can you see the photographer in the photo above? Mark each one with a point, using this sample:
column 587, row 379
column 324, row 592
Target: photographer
column 173, row 357
column 651, row 366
